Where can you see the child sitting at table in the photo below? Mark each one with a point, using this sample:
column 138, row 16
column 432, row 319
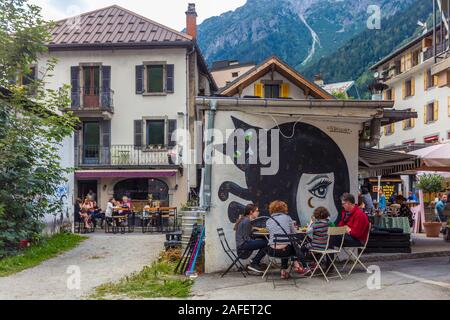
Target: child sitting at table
column 318, row 229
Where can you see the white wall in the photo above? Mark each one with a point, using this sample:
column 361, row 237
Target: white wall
column 218, row 218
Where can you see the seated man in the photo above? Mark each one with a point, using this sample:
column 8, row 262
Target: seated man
column 356, row 221
column 244, row 240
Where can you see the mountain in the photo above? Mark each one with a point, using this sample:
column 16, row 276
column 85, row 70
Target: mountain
column 301, row 32
column 354, row 58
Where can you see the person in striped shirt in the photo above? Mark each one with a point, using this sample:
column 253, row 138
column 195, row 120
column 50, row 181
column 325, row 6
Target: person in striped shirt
column 318, row 229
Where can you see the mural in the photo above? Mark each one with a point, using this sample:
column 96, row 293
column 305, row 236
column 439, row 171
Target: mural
column 312, row 172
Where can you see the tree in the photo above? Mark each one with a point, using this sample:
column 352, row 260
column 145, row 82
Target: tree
column 32, row 127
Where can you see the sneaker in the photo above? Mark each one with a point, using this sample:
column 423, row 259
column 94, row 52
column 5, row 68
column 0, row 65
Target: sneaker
column 302, row 271
column 255, row 268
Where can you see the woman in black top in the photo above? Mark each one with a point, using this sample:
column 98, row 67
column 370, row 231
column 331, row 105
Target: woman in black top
column 244, row 239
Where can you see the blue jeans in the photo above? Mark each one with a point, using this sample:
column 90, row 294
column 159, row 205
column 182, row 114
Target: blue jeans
column 252, row 245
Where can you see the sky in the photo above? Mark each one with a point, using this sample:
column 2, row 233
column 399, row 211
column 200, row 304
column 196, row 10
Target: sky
column 167, row 12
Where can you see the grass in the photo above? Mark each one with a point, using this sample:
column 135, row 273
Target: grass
column 48, row 248
column 154, row 281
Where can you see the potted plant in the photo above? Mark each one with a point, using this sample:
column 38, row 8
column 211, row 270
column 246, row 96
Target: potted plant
column 431, row 183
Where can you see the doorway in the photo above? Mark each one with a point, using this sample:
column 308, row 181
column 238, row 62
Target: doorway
column 84, row 186
column 91, row 142
column 91, row 90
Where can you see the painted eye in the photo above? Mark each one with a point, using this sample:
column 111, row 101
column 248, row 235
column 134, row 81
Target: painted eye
column 320, row 190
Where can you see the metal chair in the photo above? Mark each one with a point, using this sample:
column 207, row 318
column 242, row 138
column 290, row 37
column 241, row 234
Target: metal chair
column 327, row 252
column 234, row 257
column 351, row 254
column 292, row 239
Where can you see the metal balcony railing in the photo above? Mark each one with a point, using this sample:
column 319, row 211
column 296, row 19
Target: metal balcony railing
column 92, row 98
column 124, row 155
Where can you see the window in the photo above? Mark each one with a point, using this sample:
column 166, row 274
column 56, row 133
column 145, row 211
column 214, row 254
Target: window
column 408, row 124
column 27, row 79
column 415, row 58
column 155, row 78
column 155, row 132
column 430, row 81
column 272, row 91
column 235, row 74
column 389, row 129
column 431, row 112
column 389, row 95
column 408, row 88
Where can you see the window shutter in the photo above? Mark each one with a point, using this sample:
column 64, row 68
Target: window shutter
column 106, row 86
column 435, row 80
column 413, row 120
column 404, row 124
column 139, row 79
column 138, row 133
column 413, row 87
column 259, row 90
column 76, row 146
column 425, row 80
column 403, row 89
column 170, row 73
column 385, row 130
column 106, row 141
column 75, row 83
column 172, row 127
column 392, row 128
column 425, row 114
column 436, row 111
column 285, row 90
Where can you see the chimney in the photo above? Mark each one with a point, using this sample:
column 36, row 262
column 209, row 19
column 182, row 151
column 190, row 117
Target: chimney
column 191, row 21
column 318, row 80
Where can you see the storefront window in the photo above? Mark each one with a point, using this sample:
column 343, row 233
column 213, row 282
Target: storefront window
column 140, row 189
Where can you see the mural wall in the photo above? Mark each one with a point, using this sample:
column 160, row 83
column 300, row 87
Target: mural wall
column 317, row 163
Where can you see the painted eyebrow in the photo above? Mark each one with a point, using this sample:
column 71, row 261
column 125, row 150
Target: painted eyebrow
column 322, row 176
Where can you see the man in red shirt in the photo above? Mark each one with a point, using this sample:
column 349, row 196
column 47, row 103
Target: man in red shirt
column 356, row 221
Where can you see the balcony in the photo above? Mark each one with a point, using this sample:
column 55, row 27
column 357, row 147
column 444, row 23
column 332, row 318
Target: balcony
column 93, row 102
column 124, row 156
column 440, row 48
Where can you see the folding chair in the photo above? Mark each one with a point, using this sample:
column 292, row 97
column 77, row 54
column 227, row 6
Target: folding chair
column 351, row 254
column 332, row 231
column 281, row 239
column 234, row 257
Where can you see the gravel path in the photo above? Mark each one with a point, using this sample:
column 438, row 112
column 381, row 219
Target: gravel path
column 101, row 258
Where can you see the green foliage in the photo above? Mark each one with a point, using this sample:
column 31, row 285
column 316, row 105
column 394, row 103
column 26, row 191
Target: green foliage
column 155, row 281
column 47, row 248
column 353, row 59
column 431, row 183
column 340, row 95
column 31, row 131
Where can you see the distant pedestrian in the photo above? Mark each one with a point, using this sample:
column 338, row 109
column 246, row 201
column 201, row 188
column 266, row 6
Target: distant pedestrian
column 368, row 201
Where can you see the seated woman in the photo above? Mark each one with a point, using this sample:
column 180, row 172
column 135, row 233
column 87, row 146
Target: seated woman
column 281, row 224
column 244, row 240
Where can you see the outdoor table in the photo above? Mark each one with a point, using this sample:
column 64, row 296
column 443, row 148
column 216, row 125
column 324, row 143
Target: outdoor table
column 266, row 234
column 393, row 222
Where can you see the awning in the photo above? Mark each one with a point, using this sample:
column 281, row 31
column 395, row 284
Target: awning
column 393, row 116
column 376, row 162
column 83, row 174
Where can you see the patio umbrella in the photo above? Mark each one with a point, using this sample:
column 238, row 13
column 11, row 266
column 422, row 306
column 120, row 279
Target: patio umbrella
column 435, row 158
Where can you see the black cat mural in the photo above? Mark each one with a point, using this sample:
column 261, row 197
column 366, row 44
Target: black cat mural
column 312, row 172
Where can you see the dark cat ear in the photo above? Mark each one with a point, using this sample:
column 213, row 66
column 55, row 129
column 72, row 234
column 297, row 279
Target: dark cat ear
column 239, row 124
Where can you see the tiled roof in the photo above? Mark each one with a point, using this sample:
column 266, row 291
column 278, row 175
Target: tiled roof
column 113, row 25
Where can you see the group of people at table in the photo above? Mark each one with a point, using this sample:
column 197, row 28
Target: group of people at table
column 280, row 222
column 89, row 212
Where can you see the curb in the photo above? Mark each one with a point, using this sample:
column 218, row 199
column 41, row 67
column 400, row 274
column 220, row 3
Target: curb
column 407, row 256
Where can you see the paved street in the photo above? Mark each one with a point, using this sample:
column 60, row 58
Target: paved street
column 406, row 279
column 101, row 258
